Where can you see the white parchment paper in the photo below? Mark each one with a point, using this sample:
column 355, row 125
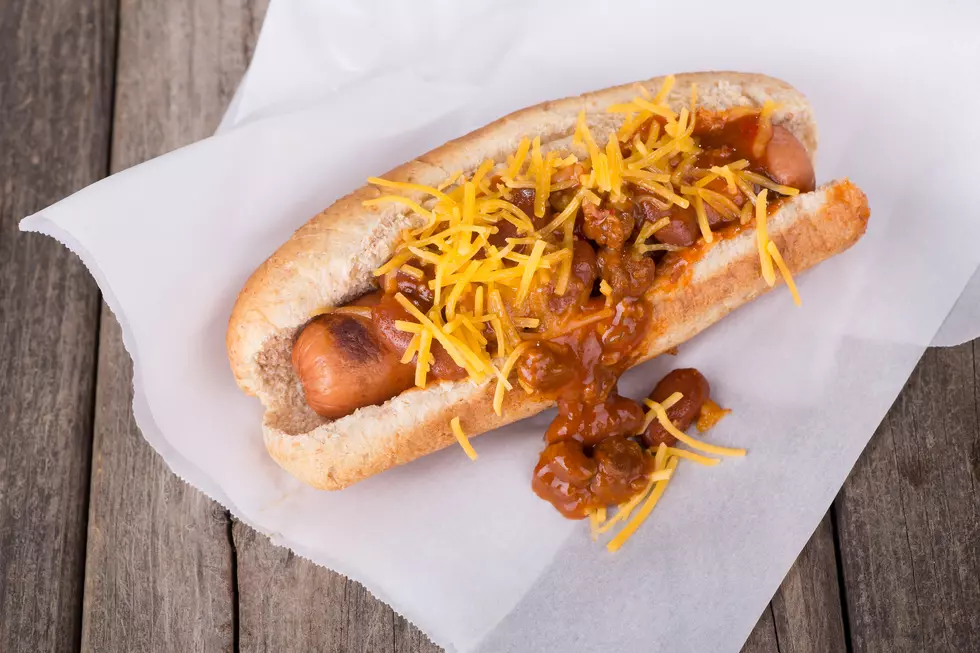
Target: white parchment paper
column 342, row 90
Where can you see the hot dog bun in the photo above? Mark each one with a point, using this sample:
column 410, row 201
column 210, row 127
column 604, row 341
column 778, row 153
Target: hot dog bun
column 330, row 260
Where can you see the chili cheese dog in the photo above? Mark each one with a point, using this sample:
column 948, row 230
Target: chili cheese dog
column 630, row 219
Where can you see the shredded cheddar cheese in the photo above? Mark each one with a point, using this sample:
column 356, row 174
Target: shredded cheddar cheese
column 694, row 457
column 764, row 132
column 762, row 237
column 660, row 458
column 413, row 348
column 462, row 439
column 652, row 415
column 412, row 271
column 606, row 291
column 784, row 270
column 425, row 358
column 702, row 219
column 533, row 263
column 644, row 512
column 568, row 243
column 359, row 311
column 502, row 385
column 665, row 462
column 685, row 438
column 480, row 281
column 623, row 511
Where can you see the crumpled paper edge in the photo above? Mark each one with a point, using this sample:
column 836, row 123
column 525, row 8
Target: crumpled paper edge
column 950, row 333
column 180, row 466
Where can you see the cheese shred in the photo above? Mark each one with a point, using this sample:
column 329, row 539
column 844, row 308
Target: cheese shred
column 462, row 439
column 762, row 238
column 784, row 271
column 685, row 438
column 644, row 512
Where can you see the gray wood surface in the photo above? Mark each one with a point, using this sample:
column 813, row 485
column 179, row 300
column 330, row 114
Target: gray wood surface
column 909, row 516
column 159, row 551
column 87, row 509
column 807, row 609
column 763, row 638
column 805, row 614
column 286, row 599
column 56, row 62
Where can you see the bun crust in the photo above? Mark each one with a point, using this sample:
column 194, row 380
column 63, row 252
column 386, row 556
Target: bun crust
column 330, row 260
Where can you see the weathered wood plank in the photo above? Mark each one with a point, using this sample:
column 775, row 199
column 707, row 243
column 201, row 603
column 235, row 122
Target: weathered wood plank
column 295, row 600
column 56, row 60
column 807, row 607
column 409, row 639
column 763, row 637
column 909, row 516
column 160, row 563
column 284, row 599
column 179, row 64
column 805, row 613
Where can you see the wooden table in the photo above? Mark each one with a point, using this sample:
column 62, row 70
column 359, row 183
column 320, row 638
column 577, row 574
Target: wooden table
column 102, row 548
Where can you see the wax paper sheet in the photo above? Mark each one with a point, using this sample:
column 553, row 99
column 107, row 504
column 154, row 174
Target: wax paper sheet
column 343, row 90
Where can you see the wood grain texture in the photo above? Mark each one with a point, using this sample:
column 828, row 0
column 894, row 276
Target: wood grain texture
column 805, row 613
column 179, row 64
column 807, row 607
column 160, row 563
column 56, row 60
column 763, row 637
column 909, row 516
column 284, row 599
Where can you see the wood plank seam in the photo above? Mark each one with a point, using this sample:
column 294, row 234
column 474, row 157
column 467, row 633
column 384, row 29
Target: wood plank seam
column 55, row 87
column 392, row 620
column 235, row 629
column 87, row 502
column 775, row 628
column 909, row 516
column 942, row 477
column 164, row 573
column 762, row 638
column 905, row 515
column 974, row 455
column 106, row 171
column 112, row 108
column 841, row 587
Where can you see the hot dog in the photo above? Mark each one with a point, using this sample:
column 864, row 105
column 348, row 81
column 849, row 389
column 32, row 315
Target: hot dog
column 343, row 365
column 529, row 264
